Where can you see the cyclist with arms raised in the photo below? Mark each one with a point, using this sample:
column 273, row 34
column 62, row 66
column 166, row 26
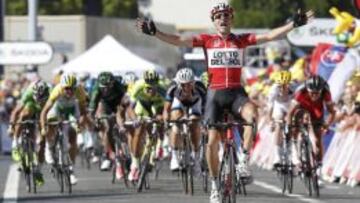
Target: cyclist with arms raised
column 224, row 53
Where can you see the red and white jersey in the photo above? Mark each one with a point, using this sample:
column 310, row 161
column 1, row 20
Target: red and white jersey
column 315, row 108
column 225, row 57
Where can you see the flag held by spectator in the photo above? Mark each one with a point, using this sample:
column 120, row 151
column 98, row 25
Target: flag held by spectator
column 335, row 64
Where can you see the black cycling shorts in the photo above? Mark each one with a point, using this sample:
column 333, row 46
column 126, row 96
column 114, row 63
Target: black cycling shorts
column 217, row 101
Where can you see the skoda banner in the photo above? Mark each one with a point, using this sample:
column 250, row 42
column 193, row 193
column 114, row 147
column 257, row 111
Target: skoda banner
column 319, row 30
column 25, row 53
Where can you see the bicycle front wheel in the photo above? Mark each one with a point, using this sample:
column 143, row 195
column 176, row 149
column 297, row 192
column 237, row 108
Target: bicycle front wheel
column 306, row 167
column 143, row 172
column 184, row 180
column 67, row 181
column 227, row 177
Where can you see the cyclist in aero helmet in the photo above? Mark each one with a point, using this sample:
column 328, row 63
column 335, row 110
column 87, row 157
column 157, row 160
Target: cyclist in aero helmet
column 224, row 51
column 184, row 98
column 310, row 101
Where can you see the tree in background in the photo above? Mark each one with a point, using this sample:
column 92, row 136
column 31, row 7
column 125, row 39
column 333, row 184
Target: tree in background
column 272, row 13
column 110, row 8
column 250, row 14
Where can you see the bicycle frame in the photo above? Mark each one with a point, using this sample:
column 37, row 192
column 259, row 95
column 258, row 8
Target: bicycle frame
column 28, row 157
column 146, row 158
column 285, row 169
column 62, row 158
column 308, row 161
column 186, row 162
column 229, row 181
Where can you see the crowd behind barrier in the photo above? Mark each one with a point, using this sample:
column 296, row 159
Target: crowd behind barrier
column 11, row 87
column 341, row 161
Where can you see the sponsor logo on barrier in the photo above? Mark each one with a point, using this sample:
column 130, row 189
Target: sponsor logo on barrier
column 25, row 53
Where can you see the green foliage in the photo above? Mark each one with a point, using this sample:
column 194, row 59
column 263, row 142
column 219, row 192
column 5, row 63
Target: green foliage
column 60, row 7
column 272, row 13
column 123, row 8
column 111, row 8
column 16, row 7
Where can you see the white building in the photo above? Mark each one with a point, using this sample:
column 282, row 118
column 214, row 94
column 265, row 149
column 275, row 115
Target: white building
column 184, row 14
column 73, row 35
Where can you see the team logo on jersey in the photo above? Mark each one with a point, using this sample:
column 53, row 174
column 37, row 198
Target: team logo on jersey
column 225, row 57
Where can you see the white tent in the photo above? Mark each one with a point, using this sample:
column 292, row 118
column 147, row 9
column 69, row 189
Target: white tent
column 109, row 55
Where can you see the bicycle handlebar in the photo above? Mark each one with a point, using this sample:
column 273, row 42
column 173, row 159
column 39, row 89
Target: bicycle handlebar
column 183, row 120
column 230, row 124
column 26, row 122
column 62, row 122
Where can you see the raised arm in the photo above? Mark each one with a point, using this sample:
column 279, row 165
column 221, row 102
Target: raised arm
column 299, row 19
column 149, row 28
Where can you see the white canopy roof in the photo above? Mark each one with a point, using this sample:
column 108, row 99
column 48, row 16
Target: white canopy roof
column 109, row 55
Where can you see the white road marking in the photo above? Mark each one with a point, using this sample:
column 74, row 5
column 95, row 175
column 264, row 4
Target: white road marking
column 279, row 190
column 332, row 187
column 12, row 185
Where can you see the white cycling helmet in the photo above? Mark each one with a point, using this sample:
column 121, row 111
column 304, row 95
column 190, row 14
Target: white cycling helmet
column 184, row 75
column 221, row 7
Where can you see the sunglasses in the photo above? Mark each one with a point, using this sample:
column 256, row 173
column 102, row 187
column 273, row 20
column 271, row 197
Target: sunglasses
column 69, row 89
column 184, row 85
column 149, row 89
column 224, row 15
column 314, row 93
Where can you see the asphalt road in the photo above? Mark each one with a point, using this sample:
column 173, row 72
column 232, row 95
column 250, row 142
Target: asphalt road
column 95, row 186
